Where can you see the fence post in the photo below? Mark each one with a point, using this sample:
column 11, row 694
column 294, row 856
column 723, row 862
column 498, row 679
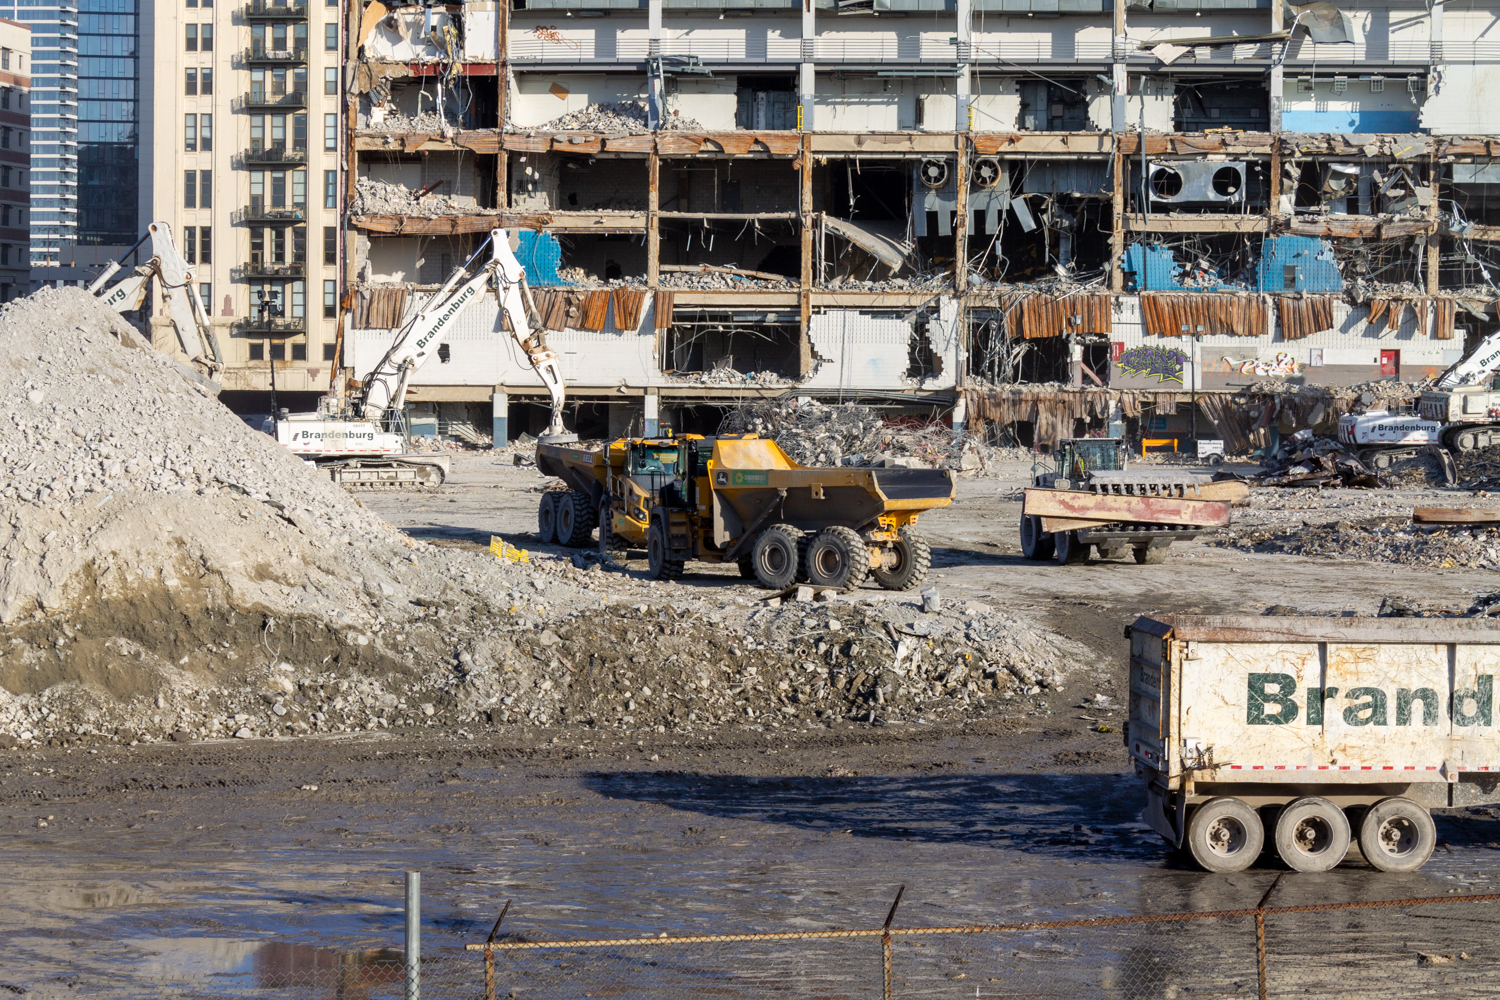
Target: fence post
column 885, row 941
column 489, row 955
column 1260, row 936
column 413, row 936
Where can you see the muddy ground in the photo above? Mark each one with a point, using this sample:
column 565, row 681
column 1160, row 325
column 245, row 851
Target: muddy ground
column 192, row 860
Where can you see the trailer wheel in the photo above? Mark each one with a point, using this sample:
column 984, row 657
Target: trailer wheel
column 1312, row 835
column 575, row 519
column 1150, row 555
column 908, row 560
column 838, row 558
column 658, row 563
column 775, row 556
column 546, row 517
column 1397, row 835
column 1070, row 551
column 1225, row 835
column 1036, row 544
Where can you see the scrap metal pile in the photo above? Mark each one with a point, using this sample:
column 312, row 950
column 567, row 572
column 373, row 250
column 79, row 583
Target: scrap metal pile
column 1305, row 459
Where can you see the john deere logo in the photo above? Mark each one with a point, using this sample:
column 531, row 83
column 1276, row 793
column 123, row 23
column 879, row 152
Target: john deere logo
column 749, row 479
column 721, row 479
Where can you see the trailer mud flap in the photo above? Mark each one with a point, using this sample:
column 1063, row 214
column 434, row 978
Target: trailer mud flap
column 1155, row 816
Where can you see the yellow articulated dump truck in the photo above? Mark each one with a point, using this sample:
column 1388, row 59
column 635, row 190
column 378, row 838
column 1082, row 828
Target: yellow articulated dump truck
column 740, row 499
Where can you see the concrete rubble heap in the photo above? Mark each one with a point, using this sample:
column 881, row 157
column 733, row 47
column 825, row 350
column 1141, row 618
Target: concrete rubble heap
column 1387, row 540
column 618, row 116
column 167, row 571
column 382, row 198
column 816, row 434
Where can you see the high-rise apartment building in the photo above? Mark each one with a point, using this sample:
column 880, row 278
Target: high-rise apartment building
column 242, row 110
column 85, row 111
column 15, row 159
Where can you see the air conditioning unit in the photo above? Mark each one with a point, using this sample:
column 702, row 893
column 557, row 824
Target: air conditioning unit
column 1197, row 185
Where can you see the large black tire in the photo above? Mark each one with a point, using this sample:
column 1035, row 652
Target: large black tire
column 575, row 519
column 546, row 517
column 1225, row 835
column 1071, row 551
column 837, row 558
column 1312, row 835
column 775, row 556
column 660, row 566
column 611, row 545
column 913, row 559
column 1397, row 835
column 1036, row 544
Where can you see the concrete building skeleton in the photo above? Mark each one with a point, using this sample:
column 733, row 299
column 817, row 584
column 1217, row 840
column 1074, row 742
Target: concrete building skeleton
column 722, row 200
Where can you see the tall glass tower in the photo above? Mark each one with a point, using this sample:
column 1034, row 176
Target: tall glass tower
column 85, row 120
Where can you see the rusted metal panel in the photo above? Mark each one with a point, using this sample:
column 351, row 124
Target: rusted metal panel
column 1039, row 314
column 1178, row 314
column 528, row 143
column 594, row 311
column 1115, row 508
column 629, row 302
column 1443, row 313
column 1454, row 515
column 1199, row 224
column 1303, row 317
column 662, row 307
column 887, row 143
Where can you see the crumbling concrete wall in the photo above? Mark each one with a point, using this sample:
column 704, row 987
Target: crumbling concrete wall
column 1154, row 100
column 1466, row 101
column 866, row 350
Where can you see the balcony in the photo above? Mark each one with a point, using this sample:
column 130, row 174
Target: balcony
column 277, row 327
column 266, row 10
column 259, row 100
column 275, row 157
column 259, row 56
column 268, row 272
column 259, row 215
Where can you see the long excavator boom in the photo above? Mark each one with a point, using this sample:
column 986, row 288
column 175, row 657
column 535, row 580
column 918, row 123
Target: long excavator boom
column 385, row 386
column 179, row 292
column 1475, row 366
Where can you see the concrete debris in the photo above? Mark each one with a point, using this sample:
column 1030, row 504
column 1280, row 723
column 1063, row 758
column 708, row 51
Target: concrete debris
column 818, row 434
column 1485, row 606
column 427, row 121
column 382, row 198
column 1387, row 540
column 1304, row 459
column 728, row 376
column 619, row 116
column 581, row 278
column 722, row 280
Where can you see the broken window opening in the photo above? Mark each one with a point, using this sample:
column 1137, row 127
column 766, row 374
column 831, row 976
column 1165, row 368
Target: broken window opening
column 591, row 259
column 750, row 186
column 766, row 103
column 1067, row 232
column 1047, row 106
column 1201, row 105
column 732, row 346
column 587, row 183
column 434, row 185
column 922, row 361
column 730, row 253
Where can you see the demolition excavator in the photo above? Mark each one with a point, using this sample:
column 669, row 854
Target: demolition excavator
column 362, row 439
column 170, row 274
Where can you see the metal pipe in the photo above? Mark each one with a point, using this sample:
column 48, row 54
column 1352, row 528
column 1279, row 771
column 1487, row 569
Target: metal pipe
column 413, row 936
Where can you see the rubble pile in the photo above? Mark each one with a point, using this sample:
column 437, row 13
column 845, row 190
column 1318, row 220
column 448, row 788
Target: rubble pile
column 618, row 116
column 729, row 376
column 1485, row 606
column 427, row 121
column 578, row 276
column 167, row 572
column 722, row 280
column 818, row 434
column 1378, row 541
column 1479, row 469
column 382, row 198
column 1304, row 459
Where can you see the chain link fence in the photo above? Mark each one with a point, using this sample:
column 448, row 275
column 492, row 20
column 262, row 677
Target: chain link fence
column 1443, row 946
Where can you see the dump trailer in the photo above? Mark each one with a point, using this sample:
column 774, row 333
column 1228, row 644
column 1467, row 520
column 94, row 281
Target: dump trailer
column 1302, row 734
column 1089, row 500
column 740, row 499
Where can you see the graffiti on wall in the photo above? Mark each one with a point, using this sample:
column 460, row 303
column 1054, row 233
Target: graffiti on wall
column 1283, row 364
column 1161, row 363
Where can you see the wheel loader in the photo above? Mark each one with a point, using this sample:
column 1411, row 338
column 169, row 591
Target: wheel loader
column 739, row 499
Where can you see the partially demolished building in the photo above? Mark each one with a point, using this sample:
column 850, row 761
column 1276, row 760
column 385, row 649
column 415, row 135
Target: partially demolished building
column 925, row 203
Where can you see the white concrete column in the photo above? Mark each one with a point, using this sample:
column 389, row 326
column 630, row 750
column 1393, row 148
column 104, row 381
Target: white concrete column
column 960, row 415
column 1435, row 51
column 656, row 98
column 1119, row 77
column 1278, row 74
column 807, row 75
column 963, row 116
column 499, row 419
column 653, row 414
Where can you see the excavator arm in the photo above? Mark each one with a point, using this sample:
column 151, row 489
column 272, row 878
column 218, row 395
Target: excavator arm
column 1475, row 366
column 179, row 292
column 384, row 391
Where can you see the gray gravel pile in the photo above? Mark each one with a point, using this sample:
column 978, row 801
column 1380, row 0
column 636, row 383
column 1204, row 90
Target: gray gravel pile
column 382, row 198
column 1393, row 542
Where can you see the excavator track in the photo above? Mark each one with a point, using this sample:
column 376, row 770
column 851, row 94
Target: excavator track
column 380, row 474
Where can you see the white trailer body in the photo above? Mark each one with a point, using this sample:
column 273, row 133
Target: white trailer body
column 1270, row 711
